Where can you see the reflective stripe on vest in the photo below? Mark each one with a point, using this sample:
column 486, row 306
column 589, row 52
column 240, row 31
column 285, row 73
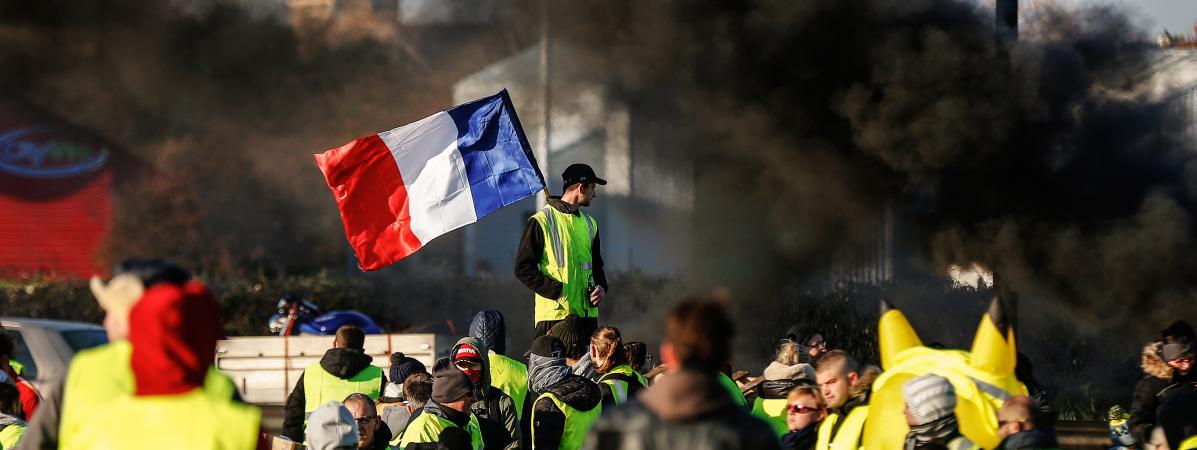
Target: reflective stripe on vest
column 847, row 437
column 320, row 387
column 566, row 258
column 193, row 420
column 773, row 411
column 577, row 423
column 619, row 380
column 428, row 427
column 103, row 374
column 511, row 377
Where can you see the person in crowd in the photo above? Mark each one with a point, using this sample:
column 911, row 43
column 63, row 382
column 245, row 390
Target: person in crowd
column 618, row 382
column 30, row 397
column 372, row 433
column 344, row 369
column 495, row 410
column 1120, row 433
column 393, row 405
column 1178, row 418
column 573, row 335
column 401, row 367
column 637, row 355
column 173, row 331
column 1023, row 426
column 99, row 375
column 931, row 415
column 559, row 257
column 563, row 404
column 507, row 374
column 812, row 343
column 780, row 377
column 838, row 375
column 689, row 408
column 804, row 410
column 733, row 389
column 332, row 427
column 1167, row 363
column 452, row 395
column 417, row 390
column 12, row 428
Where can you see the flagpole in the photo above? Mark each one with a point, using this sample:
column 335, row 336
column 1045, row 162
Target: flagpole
column 543, row 150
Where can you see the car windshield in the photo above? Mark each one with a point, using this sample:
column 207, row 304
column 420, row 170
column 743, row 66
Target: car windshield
column 84, row 339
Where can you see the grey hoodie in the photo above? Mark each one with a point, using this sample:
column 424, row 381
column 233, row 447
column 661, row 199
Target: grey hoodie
column 331, row 427
column 493, row 404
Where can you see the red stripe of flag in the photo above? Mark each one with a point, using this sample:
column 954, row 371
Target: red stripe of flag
column 370, row 193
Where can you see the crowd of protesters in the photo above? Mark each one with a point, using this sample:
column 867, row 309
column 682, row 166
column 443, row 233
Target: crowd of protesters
column 578, row 386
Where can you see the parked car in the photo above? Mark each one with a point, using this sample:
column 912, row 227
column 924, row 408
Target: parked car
column 45, row 347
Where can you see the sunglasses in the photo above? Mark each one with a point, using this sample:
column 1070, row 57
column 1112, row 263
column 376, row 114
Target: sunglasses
column 801, row 409
column 363, row 421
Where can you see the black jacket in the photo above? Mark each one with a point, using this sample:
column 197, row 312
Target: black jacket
column 575, row 391
column 1037, row 439
column 1160, row 382
column 343, row 363
column 801, row 439
column 685, row 410
column 527, row 258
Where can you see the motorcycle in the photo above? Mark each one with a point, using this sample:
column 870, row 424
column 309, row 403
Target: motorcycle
column 297, row 316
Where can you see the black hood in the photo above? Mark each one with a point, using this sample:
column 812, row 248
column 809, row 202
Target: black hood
column 345, row 362
column 577, row 392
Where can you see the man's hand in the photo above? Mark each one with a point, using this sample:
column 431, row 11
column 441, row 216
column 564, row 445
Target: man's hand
column 597, row 295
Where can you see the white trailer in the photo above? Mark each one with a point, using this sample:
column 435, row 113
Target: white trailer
column 265, row 369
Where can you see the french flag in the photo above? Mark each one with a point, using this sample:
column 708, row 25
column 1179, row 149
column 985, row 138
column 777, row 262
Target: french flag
column 399, row 189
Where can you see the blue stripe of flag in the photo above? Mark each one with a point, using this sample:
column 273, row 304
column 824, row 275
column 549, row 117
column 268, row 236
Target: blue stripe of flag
column 498, row 158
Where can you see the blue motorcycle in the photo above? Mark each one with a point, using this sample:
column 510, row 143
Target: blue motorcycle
column 297, row 316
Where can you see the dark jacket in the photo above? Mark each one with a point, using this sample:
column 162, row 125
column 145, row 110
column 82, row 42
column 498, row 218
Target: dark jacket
column 1037, row 439
column 1159, row 384
column 685, row 410
column 527, row 257
column 343, row 363
column 575, row 391
column 495, row 410
column 488, row 327
column 804, row 439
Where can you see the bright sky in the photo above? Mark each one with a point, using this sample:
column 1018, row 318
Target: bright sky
column 1175, row 15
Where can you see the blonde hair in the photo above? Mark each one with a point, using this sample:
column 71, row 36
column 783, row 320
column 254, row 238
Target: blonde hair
column 811, row 392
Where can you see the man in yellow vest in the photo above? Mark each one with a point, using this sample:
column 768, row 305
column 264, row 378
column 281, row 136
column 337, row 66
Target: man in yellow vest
column 506, row 374
column 344, row 369
column 565, row 404
column 99, row 375
column 838, row 375
column 687, row 408
column 559, row 257
column 452, row 395
column 173, row 332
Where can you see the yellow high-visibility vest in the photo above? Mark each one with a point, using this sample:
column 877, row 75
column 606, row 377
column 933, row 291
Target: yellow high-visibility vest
column 428, row 428
column 511, row 377
column 847, row 437
column 577, row 422
column 193, row 420
column 566, row 258
column 320, row 387
column 103, row 374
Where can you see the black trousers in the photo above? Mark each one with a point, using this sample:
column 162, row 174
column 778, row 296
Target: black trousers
column 589, row 325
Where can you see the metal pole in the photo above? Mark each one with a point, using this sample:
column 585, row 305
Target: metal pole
column 542, row 150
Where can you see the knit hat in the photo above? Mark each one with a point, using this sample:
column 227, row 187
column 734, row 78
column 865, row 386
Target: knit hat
column 467, row 352
column 572, row 335
column 1175, row 350
column 403, row 366
column 488, row 327
column 331, row 427
column 173, row 330
column 448, row 383
column 929, row 398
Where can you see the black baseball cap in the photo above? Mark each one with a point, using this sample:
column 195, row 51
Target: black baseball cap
column 580, row 173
